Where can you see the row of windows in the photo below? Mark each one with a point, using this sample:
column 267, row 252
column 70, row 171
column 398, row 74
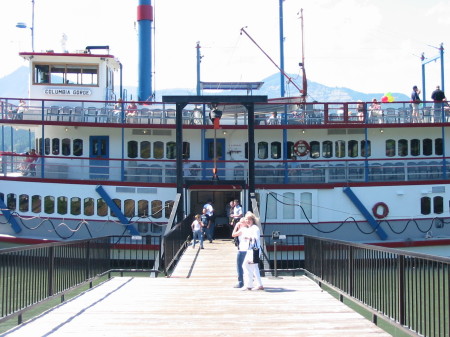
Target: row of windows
column 66, row 74
column 65, row 146
column 352, row 148
column 326, row 149
column 87, row 207
column 144, row 149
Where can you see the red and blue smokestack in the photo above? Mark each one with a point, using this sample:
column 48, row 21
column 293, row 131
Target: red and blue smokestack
column 144, row 19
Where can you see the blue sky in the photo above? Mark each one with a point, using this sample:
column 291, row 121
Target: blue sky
column 365, row 45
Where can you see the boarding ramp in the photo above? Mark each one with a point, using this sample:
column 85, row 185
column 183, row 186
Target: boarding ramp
column 199, row 299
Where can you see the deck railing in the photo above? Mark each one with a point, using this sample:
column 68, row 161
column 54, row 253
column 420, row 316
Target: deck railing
column 33, row 274
column 319, row 171
column 410, row 289
column 102, row 112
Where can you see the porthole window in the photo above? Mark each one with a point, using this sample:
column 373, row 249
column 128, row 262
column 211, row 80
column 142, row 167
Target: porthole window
column 145, row 149
column 143, row 208
column 132, row 149
column 402, row 147
column 158, row 150
column 314, row 149
column 88, row 206
column 36, row 202
column 102, row 207
column 62, row 205
column 352, row 148
column 438, row 149
column 168, row 208
column 65, row 147
column 118, row 204
column 438, row 205
column 186, row 150
column 49, row 204
column 390, row 148
column 340, row 149
column 23, row 203
column 156, row 209
column 171, row 150
column 290, row 150
column 425, row 205
column 129, row 208
column 78, row 147
column 327, row 149
column 75, row 206
column 55, row 146
column 275, row 150
column 47, row 146
column 366, row 150
column 415, row 147
column 11, row 202
column 427, row 147
column 263, row 150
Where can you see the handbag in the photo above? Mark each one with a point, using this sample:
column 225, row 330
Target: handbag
column 253, row 252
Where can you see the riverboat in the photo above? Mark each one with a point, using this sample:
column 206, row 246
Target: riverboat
column 108, row 166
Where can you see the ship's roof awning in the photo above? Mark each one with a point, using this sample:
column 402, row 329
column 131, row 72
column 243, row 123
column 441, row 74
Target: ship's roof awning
column 249, row 86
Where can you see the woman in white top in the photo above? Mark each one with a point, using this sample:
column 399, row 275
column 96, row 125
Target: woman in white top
column 251, row 270
column 240, row 232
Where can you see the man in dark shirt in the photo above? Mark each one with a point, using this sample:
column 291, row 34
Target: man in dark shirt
column 438, row 97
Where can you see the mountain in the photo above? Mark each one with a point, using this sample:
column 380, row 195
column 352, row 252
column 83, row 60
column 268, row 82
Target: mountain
column 16, row 85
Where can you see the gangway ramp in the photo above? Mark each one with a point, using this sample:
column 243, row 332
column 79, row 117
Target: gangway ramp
column 199, row 300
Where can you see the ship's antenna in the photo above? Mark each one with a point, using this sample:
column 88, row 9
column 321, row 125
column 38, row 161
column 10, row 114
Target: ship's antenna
column 302, row 64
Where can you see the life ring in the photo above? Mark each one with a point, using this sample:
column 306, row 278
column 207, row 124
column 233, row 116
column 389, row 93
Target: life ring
column 384, row 208
column 301, row 148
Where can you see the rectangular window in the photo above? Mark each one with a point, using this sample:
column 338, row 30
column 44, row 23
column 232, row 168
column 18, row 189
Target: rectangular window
column 63, row 74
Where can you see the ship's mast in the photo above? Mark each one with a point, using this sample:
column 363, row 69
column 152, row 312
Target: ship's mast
column 282, row 90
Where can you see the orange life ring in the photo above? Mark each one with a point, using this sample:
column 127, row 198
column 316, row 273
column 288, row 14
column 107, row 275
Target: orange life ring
column 384, row 208
column 301, row 148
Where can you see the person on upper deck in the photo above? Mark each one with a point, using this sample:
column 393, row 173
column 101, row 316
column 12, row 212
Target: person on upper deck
column 375, row 110
column 117, row 110
column 131, row 111
column 273, row 119
column 415, row 102
column 438, row 96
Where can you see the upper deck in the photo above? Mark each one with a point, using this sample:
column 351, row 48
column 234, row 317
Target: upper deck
column 274, row 113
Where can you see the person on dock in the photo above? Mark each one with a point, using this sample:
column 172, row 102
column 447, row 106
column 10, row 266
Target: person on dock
column 197, row 231
column 208, row 211
column 237, row 211
column 251, row 269
column 240, row 232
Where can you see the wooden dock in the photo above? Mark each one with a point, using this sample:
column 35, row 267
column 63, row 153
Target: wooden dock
column 199, row 300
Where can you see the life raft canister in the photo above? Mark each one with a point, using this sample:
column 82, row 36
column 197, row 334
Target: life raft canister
column 384, row 210
column 301, row 148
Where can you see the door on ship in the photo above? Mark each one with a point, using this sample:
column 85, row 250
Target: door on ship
column 98, row 154
column 220, row 156
column 220, row 201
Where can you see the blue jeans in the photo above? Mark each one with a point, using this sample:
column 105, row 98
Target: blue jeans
column 240, row 271
column 197, row 235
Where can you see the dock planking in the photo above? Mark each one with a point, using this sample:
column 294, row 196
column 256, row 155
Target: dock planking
column 199, row 300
